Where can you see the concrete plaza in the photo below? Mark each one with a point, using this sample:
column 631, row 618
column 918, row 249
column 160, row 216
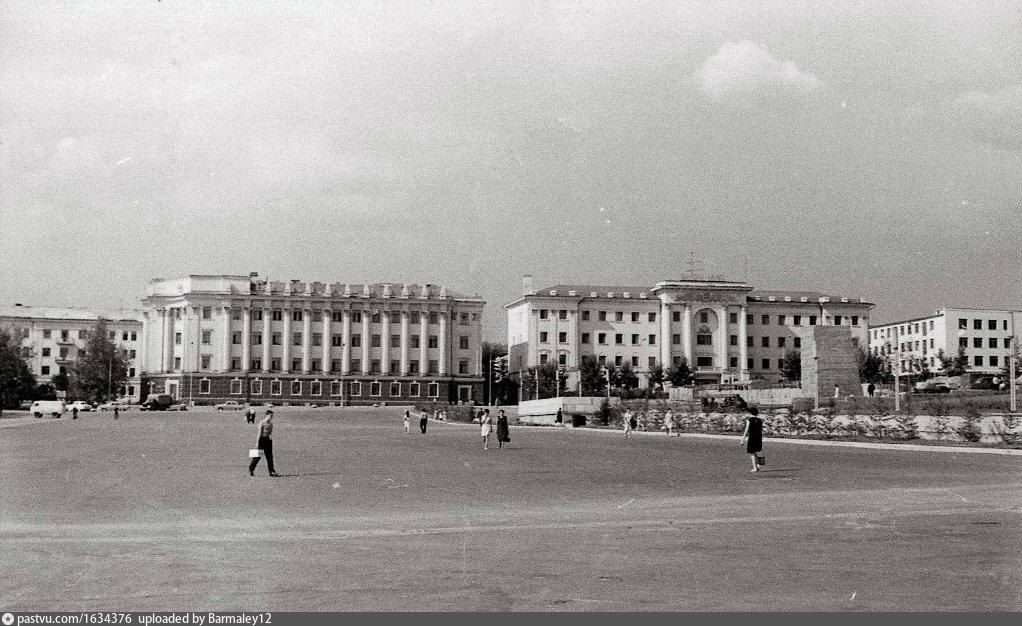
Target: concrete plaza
column 156, row 511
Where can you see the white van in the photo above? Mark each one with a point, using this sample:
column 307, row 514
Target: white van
column 56, row 408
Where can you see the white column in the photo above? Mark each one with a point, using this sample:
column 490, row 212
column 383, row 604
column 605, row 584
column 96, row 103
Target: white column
column 188, row 340
column 366, row 315
column 405, row 341
column 267, row 336
column 140, row 363
column 686, row 335
column 346, row 342
column 666, row 336
column 327, row 340
column 306, row 341
column 423, row 343
column 168, row 340
column 725, row 337
column 743, row 340
column 225, row 343
column 443, row 343
column 285, row 354
column 246, row 339
column 385, row 343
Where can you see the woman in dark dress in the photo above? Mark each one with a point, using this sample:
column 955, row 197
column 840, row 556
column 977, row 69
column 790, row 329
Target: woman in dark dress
column 503, row 434
column 753, row 433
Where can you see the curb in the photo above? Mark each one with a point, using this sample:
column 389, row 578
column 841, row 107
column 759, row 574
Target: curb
column 801, row 442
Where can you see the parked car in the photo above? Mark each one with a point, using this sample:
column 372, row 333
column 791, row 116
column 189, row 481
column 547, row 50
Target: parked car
column 25, row 405
column 56, row 408
column 109, row 406
column 162, row 402
column 81, row 405
column 230, row 405
column 932, row 386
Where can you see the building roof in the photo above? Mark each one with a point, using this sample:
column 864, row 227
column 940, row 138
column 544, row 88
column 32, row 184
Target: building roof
column 756, row 295
column 60, row 313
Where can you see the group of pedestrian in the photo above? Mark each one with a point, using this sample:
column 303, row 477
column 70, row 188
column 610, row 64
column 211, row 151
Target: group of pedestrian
column 486, row 427
column 406, row 421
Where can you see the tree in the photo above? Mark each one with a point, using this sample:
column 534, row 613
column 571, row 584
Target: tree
column 959, row 363
column 594, row 382
column 680, row 374
column 944, row 360
column 627, row 377
column 791, row 365
column 547, row 377
column 493, row 355
column 656, row 377
column 16, row 380
column 872, row 367
column 100, row 373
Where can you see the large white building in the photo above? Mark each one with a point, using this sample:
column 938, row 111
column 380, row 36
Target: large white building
column 725, row 330
column 214, row 338
column 52, row 339
column 986, row 335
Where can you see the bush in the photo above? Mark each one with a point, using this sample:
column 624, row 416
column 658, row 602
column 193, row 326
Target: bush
column 1007, row 430
column 971, row 429
column 941, row 425
column 905, row 427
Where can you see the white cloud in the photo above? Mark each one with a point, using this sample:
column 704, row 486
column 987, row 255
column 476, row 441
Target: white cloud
column 746, row 67
column 994, row 117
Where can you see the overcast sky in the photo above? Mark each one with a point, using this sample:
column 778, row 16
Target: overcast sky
column 869, row 149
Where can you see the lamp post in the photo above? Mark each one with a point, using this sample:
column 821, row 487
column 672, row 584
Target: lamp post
column 1012, row 357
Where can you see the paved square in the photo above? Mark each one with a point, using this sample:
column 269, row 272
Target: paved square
column 157, row 512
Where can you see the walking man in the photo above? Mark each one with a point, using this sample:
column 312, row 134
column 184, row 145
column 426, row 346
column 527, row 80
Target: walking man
column 423, row 420
column 668, row 422
column 629, row 423
column 74, row 412
column 250, row 414
column 117, row 411
column 264, row 443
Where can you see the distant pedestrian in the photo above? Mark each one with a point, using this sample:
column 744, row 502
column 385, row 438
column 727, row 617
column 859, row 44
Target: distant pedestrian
column 837, row 391
column 265, row 445
column 74, row 412
column 117, row 412
column 250, row 415
column 753, row 434
column 871, row 389
column 629, row 423
column 407, row 421
column 485, row 426
column 560, row 416
column 669, row 422
column 423, row 420
column 503, row 433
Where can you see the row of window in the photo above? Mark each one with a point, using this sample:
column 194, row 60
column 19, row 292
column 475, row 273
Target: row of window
column 376, row 317
column 925, row 325
column 315, row 387
column 316, row 339
column 704, row 317
column 701, row 361
column 45, row 371
column 83, row 333
column 977, row 342
column 433, row 366
column 977, row 361
column 63, row 353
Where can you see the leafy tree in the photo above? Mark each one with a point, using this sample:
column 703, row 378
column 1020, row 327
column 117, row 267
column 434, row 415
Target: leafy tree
column 791, row 365
column 591, row 372
column 103, row 370
column 627, row 377
column 872, row 367
column 680, row 374
column 959, row 364
column 44, row 392
column 16, row 380
column 548, row 385
column 500, row 381
column 945, row 361
column 656, row 377
column 61, row 382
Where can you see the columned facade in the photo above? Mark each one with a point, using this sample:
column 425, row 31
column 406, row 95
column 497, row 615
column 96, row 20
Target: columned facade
column 258, row 341
column 725, row 331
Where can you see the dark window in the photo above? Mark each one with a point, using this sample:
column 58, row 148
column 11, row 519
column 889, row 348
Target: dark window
column 734, row 340
column 733, row 318
column 765, row 319
column 562, row 337
column 992, row 325
column 585, row 337
column 652, row 340
column 676, row 316
column 585, row 316
column 356, row 341
column 766, row 364
column 766, row 342
column 704, row 361
column 704, row 340
column 798, row 342
column 781, row 341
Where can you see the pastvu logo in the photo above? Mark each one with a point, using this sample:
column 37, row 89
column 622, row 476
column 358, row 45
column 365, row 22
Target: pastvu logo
column 8, row 619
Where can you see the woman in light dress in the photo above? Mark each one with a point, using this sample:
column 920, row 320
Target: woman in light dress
column 485, row 426
column 669, row 422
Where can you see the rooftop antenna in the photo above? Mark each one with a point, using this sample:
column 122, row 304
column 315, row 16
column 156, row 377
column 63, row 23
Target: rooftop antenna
column 694, row 266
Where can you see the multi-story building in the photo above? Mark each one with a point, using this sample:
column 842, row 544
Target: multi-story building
column 725, row 330
column 986, row 335
column 52, row 338
column 213, row 338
